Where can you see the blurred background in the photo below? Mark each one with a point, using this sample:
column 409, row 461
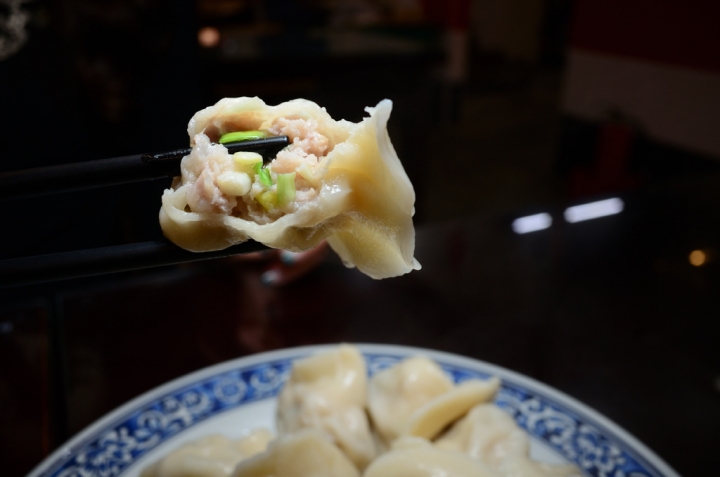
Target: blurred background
column 507, row 113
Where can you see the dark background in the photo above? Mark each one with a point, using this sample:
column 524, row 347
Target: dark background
column 501, row 109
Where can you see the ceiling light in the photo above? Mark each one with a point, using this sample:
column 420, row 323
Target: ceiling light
column 594, row 210
column 531, row 223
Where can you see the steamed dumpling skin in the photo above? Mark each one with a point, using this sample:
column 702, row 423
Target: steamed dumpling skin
column 487, row 434
column 491, row 436
column 303, row 454
column 360, row 199
column 434, row 416
column 525, row 467
column 416, row 457
column 211, row 456
column 395, row 393
column 415, row 398
column 327, row 392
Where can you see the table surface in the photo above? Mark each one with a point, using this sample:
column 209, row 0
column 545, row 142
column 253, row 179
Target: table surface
column 609, row 311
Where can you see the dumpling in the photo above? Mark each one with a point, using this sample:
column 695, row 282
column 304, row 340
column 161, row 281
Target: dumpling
column 442, row 411
column 304, row 454
column 415, row 398
column 338, row 180
column 395, row 393
column 525, row 467
column 254, row 443
column 487, row 434
column 416, row 457
column 327, row 392
column 211, row 456
column 490, row 435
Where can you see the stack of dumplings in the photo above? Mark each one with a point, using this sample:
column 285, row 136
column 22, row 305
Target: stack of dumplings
column 409, row 420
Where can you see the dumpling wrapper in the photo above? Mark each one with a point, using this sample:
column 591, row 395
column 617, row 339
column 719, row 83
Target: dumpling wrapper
column 491, row 436
column 416, row 457
column 395, row 393
column 525, row 467
column 364, row 205
column 487, row 434
column 210, row 456
column 327, row 392
column 433, row 417
column 304, row 454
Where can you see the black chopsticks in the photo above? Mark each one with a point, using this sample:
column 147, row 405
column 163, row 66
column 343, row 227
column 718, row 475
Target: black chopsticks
column 118, row 170
column 98, row 261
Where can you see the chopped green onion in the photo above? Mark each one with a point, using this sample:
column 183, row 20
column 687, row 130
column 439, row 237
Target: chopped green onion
column 263, row 174
column 268, row 200
column 238, row 136
column 285, row 189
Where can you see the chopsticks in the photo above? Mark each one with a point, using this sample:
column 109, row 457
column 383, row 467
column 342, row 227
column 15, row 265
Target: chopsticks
column 119, row 170
column 98, row 261
column 114, row 171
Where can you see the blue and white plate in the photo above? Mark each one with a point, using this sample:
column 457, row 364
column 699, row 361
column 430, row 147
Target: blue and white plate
column 236, row 397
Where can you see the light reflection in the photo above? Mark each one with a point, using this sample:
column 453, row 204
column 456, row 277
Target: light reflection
column 209, row 37
column 594, row 210
column 531, row 223
column 697, row 258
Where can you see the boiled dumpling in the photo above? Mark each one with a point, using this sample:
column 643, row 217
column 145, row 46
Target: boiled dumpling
column 254, row 443
column 445, row 409
column 416, row 457
column 211, row 456
column 415, row 398
column 338, row 180
column 395, row 393
column 487, row 434
column 490, row 435
column 327, row 392
column 525, row 467
column 304, row 454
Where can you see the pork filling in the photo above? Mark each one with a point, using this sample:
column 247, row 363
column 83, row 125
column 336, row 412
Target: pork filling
column 239, row 185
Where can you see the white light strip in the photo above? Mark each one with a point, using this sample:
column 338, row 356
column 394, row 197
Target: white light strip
column 593, row 210
column 531, row 223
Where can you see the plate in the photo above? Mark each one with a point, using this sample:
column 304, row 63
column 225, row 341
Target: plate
column 235, row 397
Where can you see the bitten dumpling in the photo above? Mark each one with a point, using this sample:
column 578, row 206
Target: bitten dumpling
column 491, row 436
column 211, row 456
column 338, row 180
column 304, row 454
column 327, row 392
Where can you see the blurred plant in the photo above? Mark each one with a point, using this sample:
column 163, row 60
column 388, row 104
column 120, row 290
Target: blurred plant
column 12, row 27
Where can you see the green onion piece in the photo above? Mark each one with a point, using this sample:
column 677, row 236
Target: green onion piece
column 285, row 189
column 268, row 200
column 263, row 174
column 238, row 136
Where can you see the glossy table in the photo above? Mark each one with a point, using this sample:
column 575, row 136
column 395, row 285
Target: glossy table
column 610, row 311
